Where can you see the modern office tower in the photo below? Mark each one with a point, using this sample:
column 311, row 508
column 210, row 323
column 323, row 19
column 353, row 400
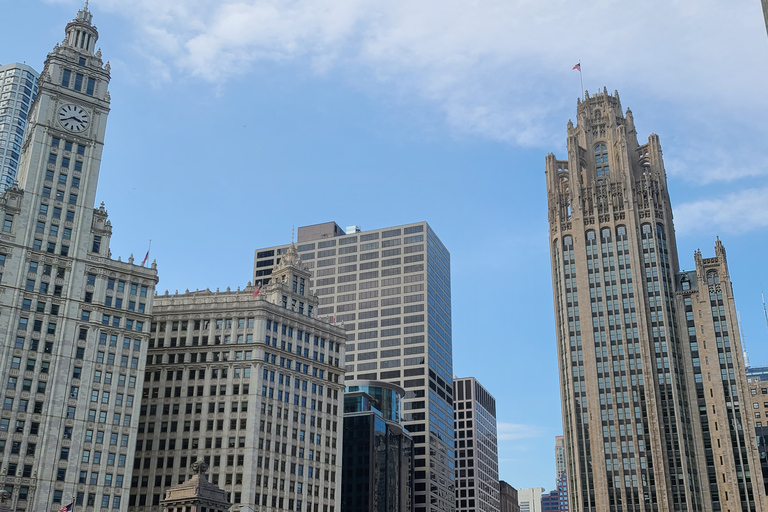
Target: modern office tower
column 252, row 382
column 634, row 437
column 559, row 456
column 378, row 452
column 557, row 500
column 729, row 461
column 390, row 289
column 18, row 83
column 476, row 446
column 196, row 494
column 74, row 321
column 508, row 498
column 530, row 499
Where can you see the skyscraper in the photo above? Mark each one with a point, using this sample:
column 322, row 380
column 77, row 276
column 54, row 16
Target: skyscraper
column 477, row 453
column 634, row 437
column 19, row 85
column 557, row 500
column 390, row 289
column 378, row 451
column 74, row 322
column 559, row 456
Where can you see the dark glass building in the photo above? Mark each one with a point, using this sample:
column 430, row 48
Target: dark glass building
column 377, row 473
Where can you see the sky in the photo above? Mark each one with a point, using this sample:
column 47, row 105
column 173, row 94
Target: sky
column 232, row 121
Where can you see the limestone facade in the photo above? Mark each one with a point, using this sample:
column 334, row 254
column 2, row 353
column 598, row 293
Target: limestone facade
column 74, row 322
column 636, row 437
column 251, row 382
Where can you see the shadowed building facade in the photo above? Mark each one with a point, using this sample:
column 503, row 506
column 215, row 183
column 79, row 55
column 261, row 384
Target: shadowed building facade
column 378, row 452
column 643, row 413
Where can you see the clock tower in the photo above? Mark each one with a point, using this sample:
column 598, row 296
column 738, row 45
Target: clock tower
column 74, row 322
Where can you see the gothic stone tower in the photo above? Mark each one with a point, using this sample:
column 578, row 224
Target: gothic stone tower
column 73, row 322
column 626, row 413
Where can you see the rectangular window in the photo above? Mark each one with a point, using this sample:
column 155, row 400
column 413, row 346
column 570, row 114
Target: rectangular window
column 90, row 87
column 65, row 77
column 78, row 81
column 8, row 223
column 96, row 244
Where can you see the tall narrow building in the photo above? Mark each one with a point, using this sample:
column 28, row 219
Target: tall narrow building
column 729, row 460
column 74, row 322
column 477, row 449
column 390, row 290
column 634, row 437
column 19, row 88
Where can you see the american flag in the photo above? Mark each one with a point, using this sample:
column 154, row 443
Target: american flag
column 577, row 66
column 67, row 508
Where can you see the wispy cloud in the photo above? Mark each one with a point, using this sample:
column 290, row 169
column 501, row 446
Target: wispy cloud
column 734, row 213
column 516, row 431
column 497, row 68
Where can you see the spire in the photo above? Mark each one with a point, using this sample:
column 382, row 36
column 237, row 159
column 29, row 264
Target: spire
column 81, row 34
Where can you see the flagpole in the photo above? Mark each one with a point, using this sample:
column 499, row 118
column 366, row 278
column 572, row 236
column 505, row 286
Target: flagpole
column 581, row 79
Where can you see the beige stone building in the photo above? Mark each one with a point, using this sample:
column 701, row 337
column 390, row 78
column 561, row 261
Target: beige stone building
column 728, row 457
column 74, row 322
column 639, row 434
column 252, row 382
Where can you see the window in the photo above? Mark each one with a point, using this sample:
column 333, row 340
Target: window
column 65, row 77
column 89, row 91
column 78, row 81
column 601, row 160
column 8, row 223
column 96, row 244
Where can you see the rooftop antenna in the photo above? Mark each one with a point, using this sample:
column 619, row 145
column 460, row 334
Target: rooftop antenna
column 743, row 340
column 765, row 312
column 293, row 228
column 86, row 4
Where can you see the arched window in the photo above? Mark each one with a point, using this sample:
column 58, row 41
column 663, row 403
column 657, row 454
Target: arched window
column 605, row 234
column 712, row 277
column 590, row 235
column 647, row 229
column 567, row 241
column 621, row 231
column 601, row 160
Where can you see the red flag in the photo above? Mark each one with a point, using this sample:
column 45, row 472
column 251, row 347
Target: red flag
column 146, row 257
column 577, row 66
column 256, row 293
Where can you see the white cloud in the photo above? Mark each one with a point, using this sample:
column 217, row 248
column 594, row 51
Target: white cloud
column 498, row 68
column 516, row 431
column 734, row 213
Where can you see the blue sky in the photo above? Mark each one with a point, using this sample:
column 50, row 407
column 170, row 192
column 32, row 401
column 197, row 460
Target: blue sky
column 233, row 121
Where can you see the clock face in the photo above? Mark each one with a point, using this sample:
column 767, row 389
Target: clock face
column 73, row 118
